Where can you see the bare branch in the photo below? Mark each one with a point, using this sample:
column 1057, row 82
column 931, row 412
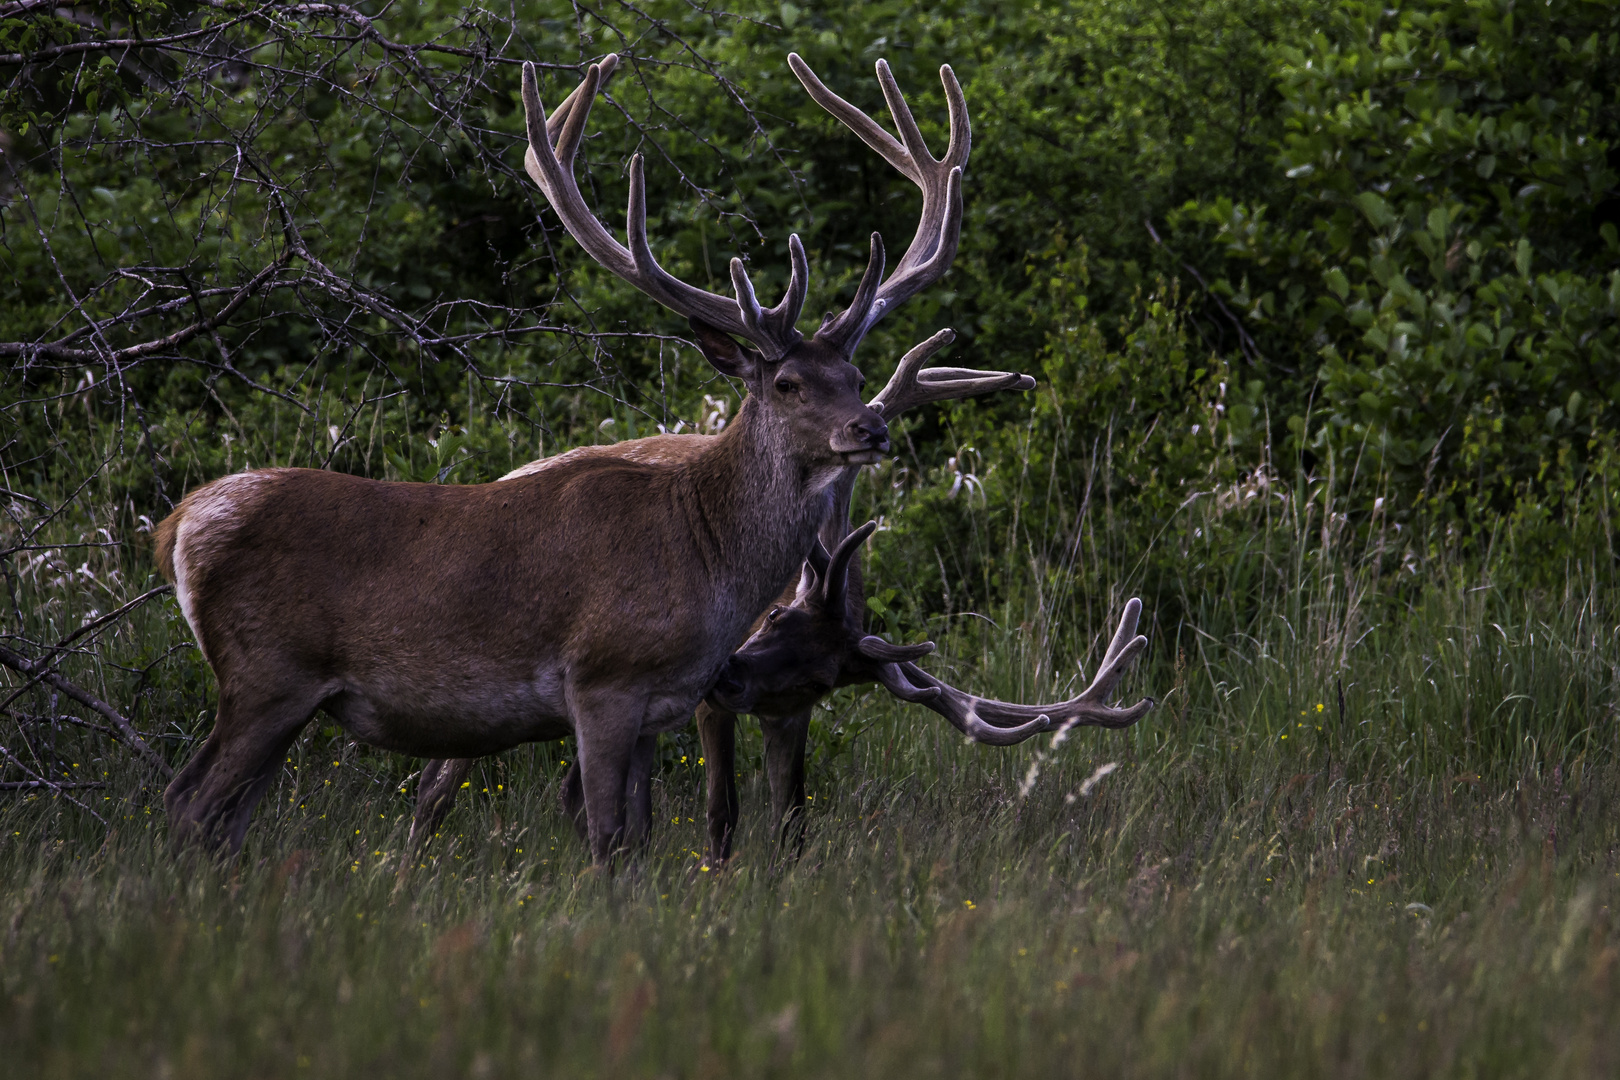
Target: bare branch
column 127, row 733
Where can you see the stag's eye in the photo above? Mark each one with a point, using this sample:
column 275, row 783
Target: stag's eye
column 787, row 386
column 772, row 614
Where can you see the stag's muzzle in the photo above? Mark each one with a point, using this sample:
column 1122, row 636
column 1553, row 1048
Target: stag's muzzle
column 863, row 440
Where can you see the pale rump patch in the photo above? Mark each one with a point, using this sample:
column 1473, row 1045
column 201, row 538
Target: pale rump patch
column 210, row 513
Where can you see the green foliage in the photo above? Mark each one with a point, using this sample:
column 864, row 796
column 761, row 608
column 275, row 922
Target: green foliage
column 1447, row 247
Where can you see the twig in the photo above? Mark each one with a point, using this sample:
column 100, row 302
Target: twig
column 48, row 785
column 45, row 663
column 127, row 733
column 117, row 613
column 147, row 348
column 64, row 718
column 1251, row 351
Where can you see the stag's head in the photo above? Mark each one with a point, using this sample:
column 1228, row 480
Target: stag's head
column 804, row 649
column 808, row 647
column 809, row 387
column 811, row 392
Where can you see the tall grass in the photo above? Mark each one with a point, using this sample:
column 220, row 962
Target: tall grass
column 1370, row 829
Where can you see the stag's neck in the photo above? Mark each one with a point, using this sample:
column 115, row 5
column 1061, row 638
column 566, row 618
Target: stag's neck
column 833, row 530
column 839, row 496
column 757, row 506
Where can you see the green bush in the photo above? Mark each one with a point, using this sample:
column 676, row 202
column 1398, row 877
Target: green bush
column 1442, row 265
column 1380, row 241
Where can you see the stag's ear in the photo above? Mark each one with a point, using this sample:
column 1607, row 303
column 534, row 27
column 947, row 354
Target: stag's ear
column 723, row 351
column 818, row 558
column 814, row 571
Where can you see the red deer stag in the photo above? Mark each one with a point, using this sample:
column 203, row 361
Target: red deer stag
column 600, row 598
column 806, row 649
column 930, row 253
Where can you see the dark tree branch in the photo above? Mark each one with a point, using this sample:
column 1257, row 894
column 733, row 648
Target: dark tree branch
column 127, row 733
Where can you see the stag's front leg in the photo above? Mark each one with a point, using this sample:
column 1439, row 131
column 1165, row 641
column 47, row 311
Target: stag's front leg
column 607, row 725
column 785, row 739
column 638, row 793
column 717, row 732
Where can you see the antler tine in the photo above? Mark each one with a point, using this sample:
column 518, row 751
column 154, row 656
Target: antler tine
column 932, row 249
column 568, row 148
column 939, row 225
column 904, row 378
column 902, row 680
column 970, row 713
column 818, row 559
column 775, row 323
column 552, row 167
column 910, row 135
column 836, row 578
column 854, row 119
column 961, row 138
column 1123, row 650
column 912, row 384
column 865, row 293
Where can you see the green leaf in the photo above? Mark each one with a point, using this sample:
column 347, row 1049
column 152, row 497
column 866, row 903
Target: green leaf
column 1375, row 208
column 1438, row 222
column 1338, row 283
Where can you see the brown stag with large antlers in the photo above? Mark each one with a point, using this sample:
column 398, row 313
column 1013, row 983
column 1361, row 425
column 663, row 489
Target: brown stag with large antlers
column 806, row 649
column 599, row 598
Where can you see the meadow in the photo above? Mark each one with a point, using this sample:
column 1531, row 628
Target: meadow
column 1357, row 837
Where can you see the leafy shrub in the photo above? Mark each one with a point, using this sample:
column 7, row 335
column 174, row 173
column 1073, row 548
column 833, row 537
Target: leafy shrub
column 1447, row 245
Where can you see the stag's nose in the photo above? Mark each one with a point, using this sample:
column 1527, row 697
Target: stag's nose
column 729, row 690
column 728, row 684
column 868, row 431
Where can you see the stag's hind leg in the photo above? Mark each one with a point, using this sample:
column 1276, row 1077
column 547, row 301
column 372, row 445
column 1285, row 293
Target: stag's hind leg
column 210, row 801
column 435, row 794
column 785, row 739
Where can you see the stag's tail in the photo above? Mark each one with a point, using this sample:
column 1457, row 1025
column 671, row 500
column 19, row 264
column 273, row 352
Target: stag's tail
column 164, row 535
